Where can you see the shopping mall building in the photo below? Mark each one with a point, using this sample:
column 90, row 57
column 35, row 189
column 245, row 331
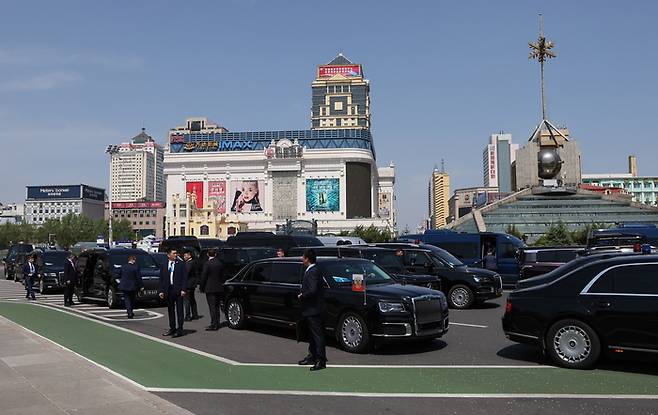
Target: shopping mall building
column 220, row 182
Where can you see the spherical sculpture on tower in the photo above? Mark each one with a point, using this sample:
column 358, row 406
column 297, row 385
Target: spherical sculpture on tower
column 549, row 163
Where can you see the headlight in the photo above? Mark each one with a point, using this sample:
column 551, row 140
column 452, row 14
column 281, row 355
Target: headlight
column 444, row 301
column 392, row 307
column 477, row 279
column 118, row 280
column 52, row 274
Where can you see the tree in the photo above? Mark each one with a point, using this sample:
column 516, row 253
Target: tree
column 372, row 234
column 581, row 236
column 557, row 235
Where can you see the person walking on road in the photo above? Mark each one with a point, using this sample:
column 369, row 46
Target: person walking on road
column 212, row 283
column 173, row 283
column 313, row 308
column 29, row 274
column 70, row 278
column 192, row 268
column 130, row 281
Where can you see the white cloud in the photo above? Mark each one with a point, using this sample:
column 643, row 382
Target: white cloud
column 43, row 82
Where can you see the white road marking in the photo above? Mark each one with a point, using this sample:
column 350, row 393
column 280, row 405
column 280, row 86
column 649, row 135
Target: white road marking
column 402, row 395
column 468, row 325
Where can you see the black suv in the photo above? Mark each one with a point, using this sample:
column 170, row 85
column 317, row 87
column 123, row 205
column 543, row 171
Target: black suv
column 464, row 286
column 270, row 240
column 267, row 291
column 99, row 275
column 385, row 258
column 50, row 267
column 11, row 270
column 593, row 304
column 535, row 261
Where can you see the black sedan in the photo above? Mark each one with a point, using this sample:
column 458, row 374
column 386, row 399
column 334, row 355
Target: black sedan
column 267, row 291
column 590, row 305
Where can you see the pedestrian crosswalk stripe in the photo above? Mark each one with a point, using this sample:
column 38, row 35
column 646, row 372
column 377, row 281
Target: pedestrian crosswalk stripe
column 9, row 290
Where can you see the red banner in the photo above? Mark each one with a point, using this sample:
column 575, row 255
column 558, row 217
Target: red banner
column 345, row 70
column 358, row 283
column 194, row 190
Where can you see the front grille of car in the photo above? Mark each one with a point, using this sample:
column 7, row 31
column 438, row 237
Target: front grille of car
column 428, row 314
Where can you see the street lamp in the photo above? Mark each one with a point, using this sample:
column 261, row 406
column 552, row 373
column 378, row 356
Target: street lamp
column 111, row 150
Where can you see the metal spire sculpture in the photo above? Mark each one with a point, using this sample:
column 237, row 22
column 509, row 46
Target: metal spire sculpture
column 541, row 50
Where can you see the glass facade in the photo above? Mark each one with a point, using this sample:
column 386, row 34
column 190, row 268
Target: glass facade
column 643, row 189
column 259, row 140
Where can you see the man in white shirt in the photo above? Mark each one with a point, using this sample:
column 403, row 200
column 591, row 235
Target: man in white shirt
column 173, row 283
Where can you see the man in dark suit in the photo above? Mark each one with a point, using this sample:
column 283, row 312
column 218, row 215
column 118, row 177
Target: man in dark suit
column 70, row 278
column 313, row 308
column 130, row 281
column 173, row 283
column 29, row 274
column 212, row 283
column 191, row 312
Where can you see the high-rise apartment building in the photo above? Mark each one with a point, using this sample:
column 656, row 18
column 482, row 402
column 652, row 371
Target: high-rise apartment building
column 137, row 171
column 341, row 96
column 439, row 196
column 497, row 159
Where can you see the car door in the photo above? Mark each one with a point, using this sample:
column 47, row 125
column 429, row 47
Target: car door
column 624, row 301
column 508, row 264
column 418, row 262
column 100, row 275
column 278, row 296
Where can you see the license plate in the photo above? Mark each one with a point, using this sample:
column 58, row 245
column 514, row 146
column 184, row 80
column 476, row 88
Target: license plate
column 151, row 292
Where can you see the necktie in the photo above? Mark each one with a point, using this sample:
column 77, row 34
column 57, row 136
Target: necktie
column 171, row 272
column 31, row 268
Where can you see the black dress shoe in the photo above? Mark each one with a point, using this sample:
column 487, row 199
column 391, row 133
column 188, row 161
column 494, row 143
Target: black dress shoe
column 188, row 318
column 130, row 316
column 196, row 317
column 178, row 334
column 169, row 333
column 307, row 361
column 212, row 328
column 318, row 366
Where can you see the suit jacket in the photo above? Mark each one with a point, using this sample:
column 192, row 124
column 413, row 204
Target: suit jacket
column 26, row 270
column 212, row 277
column 312, row 293
column 180, row 278
column 192, row 269
column 70, row 273
column 130, row 278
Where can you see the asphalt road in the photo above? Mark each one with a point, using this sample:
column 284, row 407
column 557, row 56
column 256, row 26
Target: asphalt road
column 475, row 338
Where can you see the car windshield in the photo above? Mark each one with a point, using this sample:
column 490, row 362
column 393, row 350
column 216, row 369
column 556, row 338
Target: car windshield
column 444, row 256
column 54, row 258
column 143, row 260
column 387, row 260
column 342, row 272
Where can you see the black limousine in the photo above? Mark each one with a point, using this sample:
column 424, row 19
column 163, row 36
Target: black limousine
column 267, row 290
column 593, row 304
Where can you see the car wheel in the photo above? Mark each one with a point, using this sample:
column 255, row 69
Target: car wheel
column 42, row 286
column 352, row 333
column 235, row 314
column 112, row 297
column 460, row 297
column 573, row 344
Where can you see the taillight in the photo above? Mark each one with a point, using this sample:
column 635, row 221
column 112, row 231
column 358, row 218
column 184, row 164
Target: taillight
column 508, row 307
column 637, row 247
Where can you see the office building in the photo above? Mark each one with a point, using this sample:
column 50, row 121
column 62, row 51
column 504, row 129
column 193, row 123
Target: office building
column 439, row 196
column 56, row 201
column 11, row 213
column 220, row 182
column 146, row 218
column 643, row 189
column 497, row 159
column 137, row 171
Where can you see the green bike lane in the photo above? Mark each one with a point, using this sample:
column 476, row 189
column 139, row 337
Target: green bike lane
column 158, row 365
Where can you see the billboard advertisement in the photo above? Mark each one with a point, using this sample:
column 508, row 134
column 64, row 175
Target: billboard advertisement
column 385, row 204
column 246, row 196
column 194, row 190
column 322, row 195
column 217, row 195
column 94, row 193
column 345, row 70
column 53, row 192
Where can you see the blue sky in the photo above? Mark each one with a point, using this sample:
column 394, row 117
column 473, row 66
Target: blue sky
column 78, row 75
